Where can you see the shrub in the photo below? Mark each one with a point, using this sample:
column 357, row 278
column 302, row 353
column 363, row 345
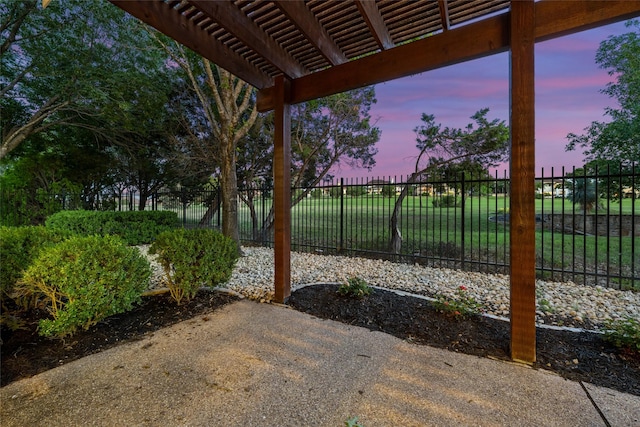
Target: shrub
column 389, row 191
column 462, row 306
column 356, row 190
column 135, row 227
column 355, row 288
column 624, row 333
column 83, row 280
column 335, row 192
column 194, row 258
column 18, row 247
column 447, row 201
column 316, row 193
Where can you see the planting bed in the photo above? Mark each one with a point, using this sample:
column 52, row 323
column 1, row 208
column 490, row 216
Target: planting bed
column 577, row 356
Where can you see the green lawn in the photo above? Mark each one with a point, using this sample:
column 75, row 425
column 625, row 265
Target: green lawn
column 474, row 234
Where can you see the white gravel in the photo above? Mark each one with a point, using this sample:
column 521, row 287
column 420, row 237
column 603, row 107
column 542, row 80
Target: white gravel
column 556, row 302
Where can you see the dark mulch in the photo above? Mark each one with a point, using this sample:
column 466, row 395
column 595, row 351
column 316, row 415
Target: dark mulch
column 415, row 320
column 24, row 353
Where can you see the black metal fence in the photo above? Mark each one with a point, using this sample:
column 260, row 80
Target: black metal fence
column 588, row 224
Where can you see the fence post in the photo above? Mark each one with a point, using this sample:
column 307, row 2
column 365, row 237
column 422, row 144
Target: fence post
column 219, row 202
column 341, row 243
column 184, row 209
column 462, row 219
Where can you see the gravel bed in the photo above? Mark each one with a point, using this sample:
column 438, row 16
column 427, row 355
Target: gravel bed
column 560, row 304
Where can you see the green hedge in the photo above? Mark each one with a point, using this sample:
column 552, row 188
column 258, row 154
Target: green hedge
column 135, row 227
column 82, row 280
column 194, row 258
column 18, row 247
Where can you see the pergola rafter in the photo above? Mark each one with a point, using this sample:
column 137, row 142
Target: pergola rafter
column 294, row 51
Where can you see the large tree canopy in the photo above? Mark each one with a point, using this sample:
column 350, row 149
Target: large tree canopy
column 325, row 134
column 72, row 64
column 459, row 151
column 619, row 139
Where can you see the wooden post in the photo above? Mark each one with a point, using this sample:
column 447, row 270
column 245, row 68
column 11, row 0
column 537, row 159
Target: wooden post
column 282, row 191
column 522, row 204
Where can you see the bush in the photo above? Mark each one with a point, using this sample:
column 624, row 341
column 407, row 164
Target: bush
column 447, row 201
column 18, row 247
column 355, row 288
column 194, row 258
column 624, row 333
column 356, row 190
column 83, row 280
column 459, row 307
column 135, row 227
column 389, row 191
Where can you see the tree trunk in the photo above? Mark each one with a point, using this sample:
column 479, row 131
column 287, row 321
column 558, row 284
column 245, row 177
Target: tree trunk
column 229, row 190
column 395, row 245
column 212, row 208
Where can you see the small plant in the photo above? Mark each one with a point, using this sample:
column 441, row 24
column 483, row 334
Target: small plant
column 194, row 258
column 83, row 280
column 355, row 288
column 545, row 306
column 624, row 333
column 462, row 306
column 353, row 422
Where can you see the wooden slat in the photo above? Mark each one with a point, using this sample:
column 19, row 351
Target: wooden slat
column 163, row 18
column 282, row 192
column 462, row 44
column 483, row 38
column 376, row 24
column 307, row 23
column 522, row 195
column 444, row 14
column 244, row 29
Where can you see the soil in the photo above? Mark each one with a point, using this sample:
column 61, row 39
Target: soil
column 576, row 356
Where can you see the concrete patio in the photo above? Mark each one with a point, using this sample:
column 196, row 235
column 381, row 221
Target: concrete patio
column 252, row 364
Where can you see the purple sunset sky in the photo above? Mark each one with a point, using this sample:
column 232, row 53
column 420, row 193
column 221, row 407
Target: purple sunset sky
column 568, row 99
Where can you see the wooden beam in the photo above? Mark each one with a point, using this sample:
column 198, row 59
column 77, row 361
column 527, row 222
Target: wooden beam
column 522, row 195
column 229, row 16
column 282, row 192
column 476, row 40
column 560, row 18
column 307, row 24
column 372, row 17
column 444, row 14
column 168, row 21
column 473, row 41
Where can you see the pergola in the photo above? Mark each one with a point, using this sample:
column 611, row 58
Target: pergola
column 294, row 51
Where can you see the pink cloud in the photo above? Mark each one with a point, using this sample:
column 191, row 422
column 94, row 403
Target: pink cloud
column 568, row 99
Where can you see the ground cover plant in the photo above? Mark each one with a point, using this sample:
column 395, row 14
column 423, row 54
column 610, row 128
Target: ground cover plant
column 355, row 288
column 461, row 306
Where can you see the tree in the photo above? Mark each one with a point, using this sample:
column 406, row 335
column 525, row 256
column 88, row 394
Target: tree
column 325, row 134
column 619, row 139
column 584, row 194
column 221, row 115
column 464, row 152
column 69, row 65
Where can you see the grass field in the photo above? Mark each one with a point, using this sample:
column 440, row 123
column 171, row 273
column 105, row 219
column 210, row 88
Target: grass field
column 475, row 236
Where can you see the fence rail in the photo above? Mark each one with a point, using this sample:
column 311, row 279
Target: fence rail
column 588, row 224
